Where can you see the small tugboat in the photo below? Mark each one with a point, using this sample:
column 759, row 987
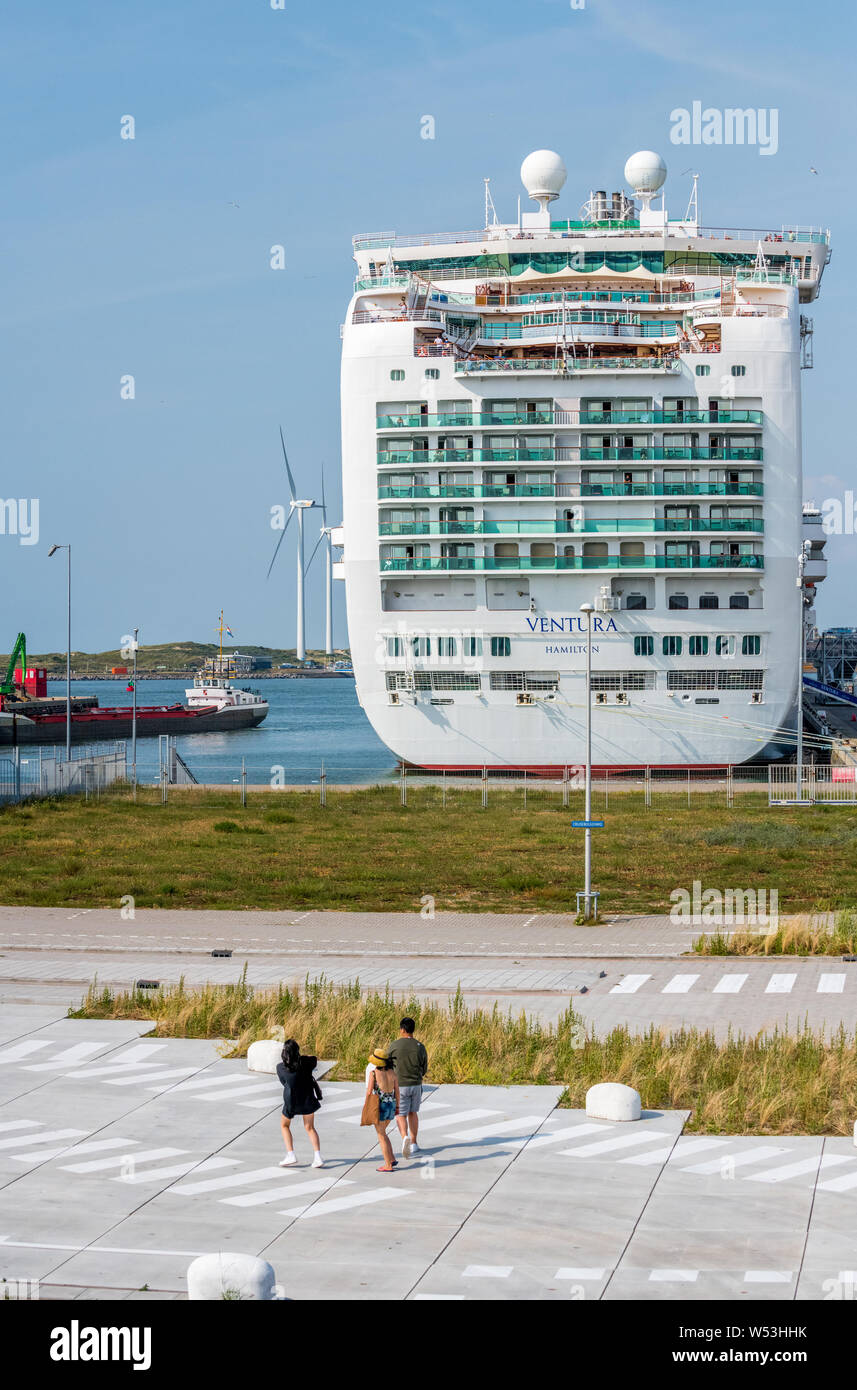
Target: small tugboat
column 28, row 715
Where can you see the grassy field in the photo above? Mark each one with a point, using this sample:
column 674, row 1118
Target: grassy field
column 771, row 1085
column 365, row 851
column 800, row 938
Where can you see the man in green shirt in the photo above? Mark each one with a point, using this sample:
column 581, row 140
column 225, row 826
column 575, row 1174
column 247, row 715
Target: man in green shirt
column 410, row 1061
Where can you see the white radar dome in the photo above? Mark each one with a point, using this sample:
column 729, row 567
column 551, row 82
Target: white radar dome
column 645, row 172
column 543, row 174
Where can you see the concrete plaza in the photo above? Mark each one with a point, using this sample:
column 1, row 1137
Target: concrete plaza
column 121, row 1158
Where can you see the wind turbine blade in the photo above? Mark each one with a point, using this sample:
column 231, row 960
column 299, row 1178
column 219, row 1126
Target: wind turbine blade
column 279, row 543
column 288, row 469
column 314, row 549
column 323, row 503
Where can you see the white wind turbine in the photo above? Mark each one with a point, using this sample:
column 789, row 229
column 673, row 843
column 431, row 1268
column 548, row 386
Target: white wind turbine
column 298, row 506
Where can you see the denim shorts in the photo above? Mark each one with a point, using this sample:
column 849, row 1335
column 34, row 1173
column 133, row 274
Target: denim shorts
column 386, row 1108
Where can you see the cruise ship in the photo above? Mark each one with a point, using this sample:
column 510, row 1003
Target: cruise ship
column 557, row 412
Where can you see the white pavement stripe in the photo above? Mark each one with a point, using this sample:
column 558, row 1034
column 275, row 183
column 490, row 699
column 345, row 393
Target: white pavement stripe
column 780, row 984
column 673, row 1276
column 448, row 1121
column 359, row 1199
column 540, row 1141
column 204, row 1083
column 276, row 1194
column 66, row 1151
column 262, row 1102
column 149, row 1076
column 622, row 1141
column 585, row 1272
column 630, row 984
column 19, row 1050
column 680, row 984
column 233, row 1092
column 99, row 1165
column 438, row 1297
column 768, row 1276
column 730, row 984
column 141, row 1055
column 487, row 1271
column 668, row 1152
column 736, row 1160
column 526, row 1126
column 176, row 1170
column 234, row 1180
column 795, row 1170
column 831, row 984
column 44, row 1138
column 843, row 1184
column 70, row 1056
column 20, row 1124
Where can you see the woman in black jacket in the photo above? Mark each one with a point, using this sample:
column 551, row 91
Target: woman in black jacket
column 301, row 1096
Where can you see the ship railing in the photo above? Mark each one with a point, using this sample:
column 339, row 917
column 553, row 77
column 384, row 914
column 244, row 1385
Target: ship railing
column 568, row 366
column 518, row 490
column 372, row 241
column 571, row 562
column 554, row 527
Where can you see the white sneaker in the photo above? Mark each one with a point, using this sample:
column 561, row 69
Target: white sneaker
column 406, row 1147
column 318, row 1161
column 415, row 1148
column 289, row 1161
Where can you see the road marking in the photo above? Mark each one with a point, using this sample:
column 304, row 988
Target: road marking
column 275, row 1194
column 738, row 1160
column 70, row 1056
column 148, row 1076
column 780, row 984
column 541, row 1140
column 486, row 1131
column 261, row 1102
column 673, row 1276
column 730, row 984
column 72, row 1152
column 20, row 1124
column 843, row 1184
column 98, row 1165
column 233, row 1092
column 199, row 1084
column 234, row 1180
column 570, row 1272
column 19, row 1050
column 768, row 1276
column 176, row 1170
column 630, row 984
column 622, row 1141
column 448, row 1121
column 359, row 1199
column 831, row 984
column 679, row 984
column 44, row 1138
column 794, row 1170
column 663, row 1155
column 487, row 1271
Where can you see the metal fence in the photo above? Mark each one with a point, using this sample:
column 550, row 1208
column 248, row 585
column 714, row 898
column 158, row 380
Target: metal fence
column 89, row 771
column 817, row 785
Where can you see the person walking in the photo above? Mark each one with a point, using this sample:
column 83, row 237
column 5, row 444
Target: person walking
column 381, row 1103
column 301, row 1096
column 410, row 1061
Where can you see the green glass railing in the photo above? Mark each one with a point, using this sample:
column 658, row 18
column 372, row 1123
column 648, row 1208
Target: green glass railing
column 660, row 451
column 606, row 525
column 387, row 492
column 577, row 562
column 462, row 421
column 467, row 456
column 548, row 365
column 670, row 417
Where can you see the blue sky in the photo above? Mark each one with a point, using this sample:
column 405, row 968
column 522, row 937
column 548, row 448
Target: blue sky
column 126, row 257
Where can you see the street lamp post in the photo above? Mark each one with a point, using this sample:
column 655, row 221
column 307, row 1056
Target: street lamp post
column 588, row 609
column 52, row 551
column 803, row 555
column 134, row 720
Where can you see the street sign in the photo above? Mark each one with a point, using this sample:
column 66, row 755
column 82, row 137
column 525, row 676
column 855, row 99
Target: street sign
column 587, row 825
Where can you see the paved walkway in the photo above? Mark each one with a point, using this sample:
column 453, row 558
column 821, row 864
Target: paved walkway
column 121, row 1159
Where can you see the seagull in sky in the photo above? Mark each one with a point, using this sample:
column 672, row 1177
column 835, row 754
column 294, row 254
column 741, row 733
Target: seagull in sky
column 812, row 170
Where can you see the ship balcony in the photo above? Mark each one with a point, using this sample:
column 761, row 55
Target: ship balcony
column 469, row 421
column 664, row 451
column 583, row 326
column 525, row 563
column 544, row 455
column 387, row 493
column 559, row 527
column 671, row 417
column 557, row 366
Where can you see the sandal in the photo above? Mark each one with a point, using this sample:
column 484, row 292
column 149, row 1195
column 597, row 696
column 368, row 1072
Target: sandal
column 382, row 1169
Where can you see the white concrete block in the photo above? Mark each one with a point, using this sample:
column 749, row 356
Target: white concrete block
column 612, row 1101
column 855, row 1132
column 230, row 1276
column 264, row 1055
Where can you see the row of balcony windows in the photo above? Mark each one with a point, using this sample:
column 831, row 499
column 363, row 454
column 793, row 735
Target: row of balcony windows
column 474, row 646
column 544, row 454
column 733, row 487
column 536, row 414
column 724, row 555
column 567, row 526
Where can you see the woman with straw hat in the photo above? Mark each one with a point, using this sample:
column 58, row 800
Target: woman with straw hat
column 382, row 1091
